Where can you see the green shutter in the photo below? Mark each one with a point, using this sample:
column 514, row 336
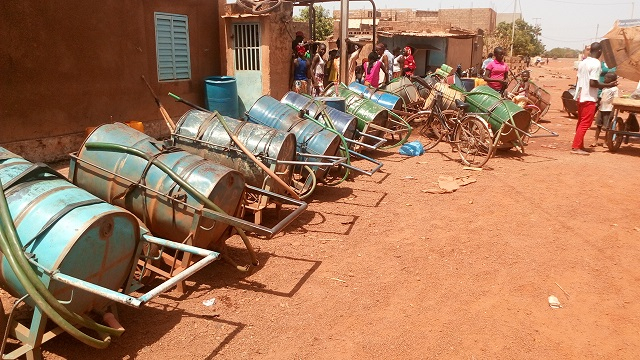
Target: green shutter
column 172, row 46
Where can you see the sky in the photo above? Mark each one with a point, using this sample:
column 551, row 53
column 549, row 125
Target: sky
column 565, row 23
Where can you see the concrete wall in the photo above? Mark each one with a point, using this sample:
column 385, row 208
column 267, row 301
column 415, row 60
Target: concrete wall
column 471, row 19
column 71, row 64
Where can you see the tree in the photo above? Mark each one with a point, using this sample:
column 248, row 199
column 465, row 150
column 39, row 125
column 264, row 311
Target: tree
column 324, row 21
column 525, row 40
column 562, row 53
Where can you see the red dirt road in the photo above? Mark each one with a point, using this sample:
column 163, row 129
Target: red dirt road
column 377, row 268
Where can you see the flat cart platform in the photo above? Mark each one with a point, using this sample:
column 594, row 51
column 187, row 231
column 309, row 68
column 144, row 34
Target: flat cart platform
column 618, row 128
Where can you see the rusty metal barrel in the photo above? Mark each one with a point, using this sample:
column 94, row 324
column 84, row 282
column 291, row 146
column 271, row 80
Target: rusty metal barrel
column 310, row 137
column 344, row 123
column 385, row 99
column 202, row 133
column 67, row 229
column 135, row 184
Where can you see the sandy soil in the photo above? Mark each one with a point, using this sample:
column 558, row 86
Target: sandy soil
column 377, row 268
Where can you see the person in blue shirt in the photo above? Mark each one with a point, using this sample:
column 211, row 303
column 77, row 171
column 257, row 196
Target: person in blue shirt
column 301, row 69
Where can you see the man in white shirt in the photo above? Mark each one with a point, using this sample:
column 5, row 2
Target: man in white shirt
column 587, row 95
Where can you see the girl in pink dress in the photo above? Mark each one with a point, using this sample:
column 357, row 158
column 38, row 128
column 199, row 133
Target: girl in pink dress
column 372, row 71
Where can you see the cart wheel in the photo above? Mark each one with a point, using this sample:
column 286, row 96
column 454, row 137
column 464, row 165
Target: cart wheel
column 431, row 130
column 474, row 140
column 304, row 182
column 535, row 117
column 614, row 139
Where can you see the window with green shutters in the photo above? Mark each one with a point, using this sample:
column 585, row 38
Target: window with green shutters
column 172, row 46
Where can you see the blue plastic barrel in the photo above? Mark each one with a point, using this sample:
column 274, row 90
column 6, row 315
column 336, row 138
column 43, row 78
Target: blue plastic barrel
column 221, row 95
column 66, row 229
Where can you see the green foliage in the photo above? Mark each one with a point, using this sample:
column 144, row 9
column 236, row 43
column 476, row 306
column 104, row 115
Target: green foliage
column 324, row 21
column 525, row 39
column 562, row 53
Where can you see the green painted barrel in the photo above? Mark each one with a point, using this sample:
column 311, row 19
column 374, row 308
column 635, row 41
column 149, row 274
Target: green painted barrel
column 484, row 99
column 367, row 111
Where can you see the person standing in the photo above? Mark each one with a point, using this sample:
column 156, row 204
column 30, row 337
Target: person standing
column 372, row 71
column 586, row 95
column 495, row 74
column 317, row 70
column 301, row 72
column 603, row 118
column 387, row 59
column 409, row 66
column 487, row 61
column 398, row 63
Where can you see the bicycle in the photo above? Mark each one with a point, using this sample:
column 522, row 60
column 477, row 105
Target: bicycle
column 468, row 133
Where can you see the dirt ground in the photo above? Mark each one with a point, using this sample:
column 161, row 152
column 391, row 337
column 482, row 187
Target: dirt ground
column 377, row 268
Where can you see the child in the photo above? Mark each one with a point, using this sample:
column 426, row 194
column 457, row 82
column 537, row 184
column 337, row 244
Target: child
column 372, row 71
column 606, row 106
column 520, row 94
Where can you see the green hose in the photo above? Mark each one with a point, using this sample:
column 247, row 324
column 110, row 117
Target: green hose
column 179, row 180
column 44, row 300
column 405, row 138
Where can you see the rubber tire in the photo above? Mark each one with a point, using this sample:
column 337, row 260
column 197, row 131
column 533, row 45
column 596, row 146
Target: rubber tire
column 474, row 140
column 612, row 139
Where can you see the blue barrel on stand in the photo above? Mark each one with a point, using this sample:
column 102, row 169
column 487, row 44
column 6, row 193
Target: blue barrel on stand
column 383, row 98
column 221, row 95
column 344, row 123
column 310, row 137
column 67, row 229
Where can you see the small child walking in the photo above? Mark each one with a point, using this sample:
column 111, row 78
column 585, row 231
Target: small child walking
column 603, row 117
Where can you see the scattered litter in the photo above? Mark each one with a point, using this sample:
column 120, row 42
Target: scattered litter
column 407, row 204
column 549, row 146
column 636, row 229
column 336, row 279
column 567, row 294
column 614, row 224
column 209, row 302
column 472, row 168
column 554, row 302
column 423, row 162
column 470, row 201
column 449, row 184
column 409, row 178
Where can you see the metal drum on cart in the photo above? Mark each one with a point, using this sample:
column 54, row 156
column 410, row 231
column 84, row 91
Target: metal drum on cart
column 134, row 183
column 202, row 133
column 311, row 138
column 484, row 99
column 345, row 123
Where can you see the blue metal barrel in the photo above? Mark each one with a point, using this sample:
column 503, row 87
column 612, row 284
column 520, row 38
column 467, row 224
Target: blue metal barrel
column 311, row 137
column 344, row 123
column 113, row 175
column 201, row 133
column 221, row 95
column 385, row 99
column 367, row 111
column 67, row 229
column 337, row 103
